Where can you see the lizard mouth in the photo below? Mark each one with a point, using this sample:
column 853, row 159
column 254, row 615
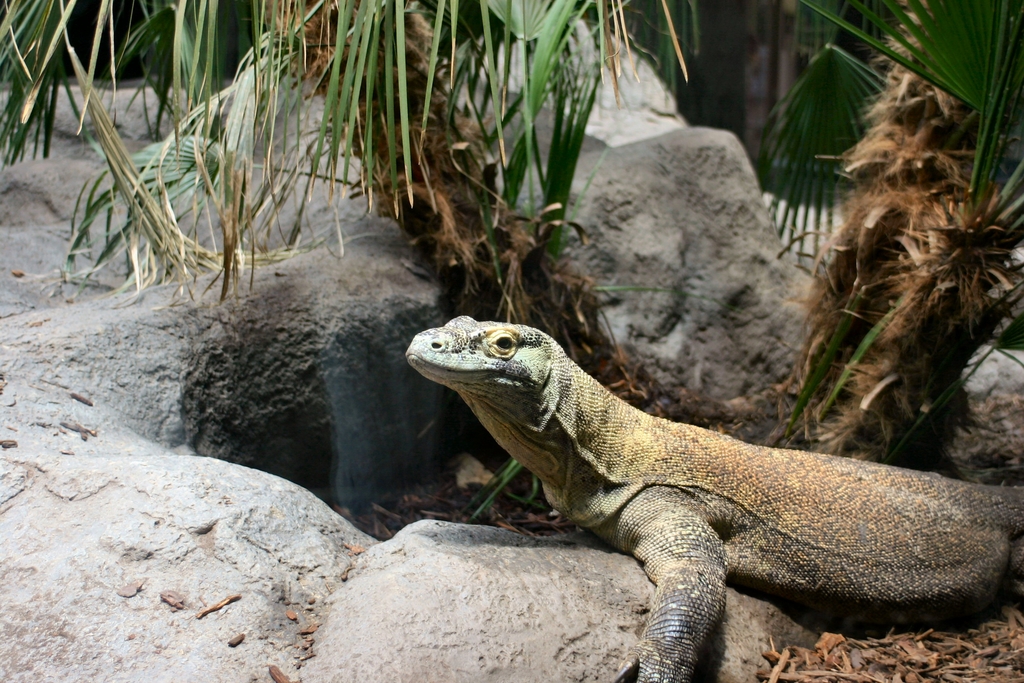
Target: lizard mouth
column 456, row 378
column 435, row 371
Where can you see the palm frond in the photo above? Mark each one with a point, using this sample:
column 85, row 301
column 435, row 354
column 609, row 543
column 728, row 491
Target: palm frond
column 32, row 35
column 575, row 92
column 1012, row 338
column 858, row 354
column 972, row 49
column 151, row 42
column 959, row 89
column 820, row 118
column 823, row 364
column 237, row 150
column 201, row 167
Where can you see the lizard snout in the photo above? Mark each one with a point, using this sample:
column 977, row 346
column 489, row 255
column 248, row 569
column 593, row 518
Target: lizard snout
column 426, row 345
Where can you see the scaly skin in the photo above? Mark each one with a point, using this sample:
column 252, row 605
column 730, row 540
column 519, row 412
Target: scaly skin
column 699, row 509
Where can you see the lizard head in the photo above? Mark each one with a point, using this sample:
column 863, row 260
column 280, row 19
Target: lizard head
column 507, row 375
column 500, row 363
column 521, row 386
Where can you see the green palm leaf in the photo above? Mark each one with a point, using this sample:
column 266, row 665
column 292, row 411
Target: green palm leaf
column 807, row 133
column 972, row 49
column 251, row 141
column 1012, row 338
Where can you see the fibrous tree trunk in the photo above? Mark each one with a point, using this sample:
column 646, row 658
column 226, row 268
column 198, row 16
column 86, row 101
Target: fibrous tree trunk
column 913, row 259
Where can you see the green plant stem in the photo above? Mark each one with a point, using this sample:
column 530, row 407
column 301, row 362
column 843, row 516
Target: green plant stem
column 934, row 411
column 484, row 498
column 862, row 348
column 821, row 368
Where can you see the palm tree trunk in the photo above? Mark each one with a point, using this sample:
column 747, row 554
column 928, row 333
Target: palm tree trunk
column 908, row 248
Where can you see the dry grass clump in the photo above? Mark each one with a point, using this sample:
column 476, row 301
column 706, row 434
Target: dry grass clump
column 909, row 246
column 993, row 652
column 492, row 262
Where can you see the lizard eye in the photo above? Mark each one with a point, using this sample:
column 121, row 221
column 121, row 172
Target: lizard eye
column 501, row 343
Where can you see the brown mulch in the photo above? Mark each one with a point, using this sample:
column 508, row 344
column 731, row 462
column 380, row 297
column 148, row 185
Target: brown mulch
column 992, row 652
column 446, row 501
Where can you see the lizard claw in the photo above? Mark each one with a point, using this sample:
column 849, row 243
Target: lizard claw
column 629, row 671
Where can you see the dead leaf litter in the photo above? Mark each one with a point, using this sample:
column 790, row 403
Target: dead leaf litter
column 129, row 590
column 217, row 606
column 174, row 599
column 991, row 653
column 278, row 675
column 82, row 399
column 85, row 432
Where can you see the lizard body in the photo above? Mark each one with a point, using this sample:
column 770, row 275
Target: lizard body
column 698, row 508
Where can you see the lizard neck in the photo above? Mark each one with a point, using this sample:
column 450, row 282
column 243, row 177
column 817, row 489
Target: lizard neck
column 540, row 446
column 602, row 426
column 532, row 427
column 572, row 429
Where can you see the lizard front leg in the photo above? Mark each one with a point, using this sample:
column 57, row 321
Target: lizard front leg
column 685, row 559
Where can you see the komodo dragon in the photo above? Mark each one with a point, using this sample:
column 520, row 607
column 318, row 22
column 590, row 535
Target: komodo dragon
column 699, row 509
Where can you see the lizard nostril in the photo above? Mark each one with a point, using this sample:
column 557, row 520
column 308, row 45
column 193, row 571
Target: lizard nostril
column 436, row 345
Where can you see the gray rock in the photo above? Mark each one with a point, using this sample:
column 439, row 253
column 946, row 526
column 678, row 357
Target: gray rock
column 300, row 375
column 644, row 109
column 93, row 543
column 132, row 110
column 37, row 200
column 316, row 365
column 449, row 603
column 43, row 192
column 993, row 445
column 80, row 533
column 998, row 375
column 683, row 212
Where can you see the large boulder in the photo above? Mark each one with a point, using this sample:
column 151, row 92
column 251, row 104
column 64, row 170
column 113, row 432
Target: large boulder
column 1001, row 374
column 452, row 603
column 37, row 200
column 110, row 561
column 681, row 239
column 300, row 374
column 107, row 564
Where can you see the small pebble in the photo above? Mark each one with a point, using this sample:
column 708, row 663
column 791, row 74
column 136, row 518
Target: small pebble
column 237, row 640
